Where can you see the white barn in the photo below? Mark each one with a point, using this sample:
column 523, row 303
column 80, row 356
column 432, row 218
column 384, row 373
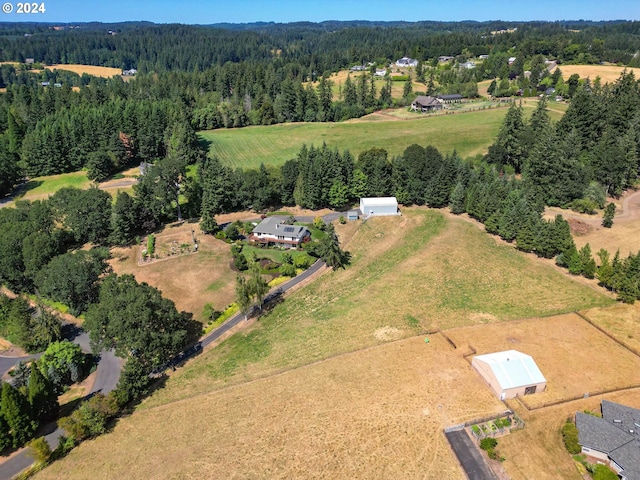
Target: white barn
column 379, row 206
column 510, row 373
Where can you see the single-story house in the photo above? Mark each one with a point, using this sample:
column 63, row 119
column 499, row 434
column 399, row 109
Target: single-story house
column 129, row 73
column 483, row 57
column 380, row 72
column 379, row 206
column 29, row 61
column 426, row 104
column 353, row 215
column 450, row 98
column 445, row 58
column 512, row 60
column 273, row 231
column 613, row 439
column 407, row 62
column 469, row 65
column 358, row 68
column 510, row 373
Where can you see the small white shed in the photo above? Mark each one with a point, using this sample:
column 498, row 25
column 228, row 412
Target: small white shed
column 379, row 206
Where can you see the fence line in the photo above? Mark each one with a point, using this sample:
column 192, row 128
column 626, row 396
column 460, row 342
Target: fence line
column 600, row 329
column 576, row 397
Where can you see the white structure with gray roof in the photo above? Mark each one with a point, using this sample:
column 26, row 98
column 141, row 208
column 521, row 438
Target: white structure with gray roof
column 612, row 439
column 273, row 231
column 510, row 373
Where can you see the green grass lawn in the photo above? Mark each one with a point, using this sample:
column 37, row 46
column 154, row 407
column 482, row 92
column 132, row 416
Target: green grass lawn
column 468, row 133
column 45, row 186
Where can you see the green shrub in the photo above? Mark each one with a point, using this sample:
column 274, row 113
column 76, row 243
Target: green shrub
column 151, row 245
column 602, row 472
column 570, row 437
column 584, row 205
column 488, row 443
column 287, row 270
column 476, row 429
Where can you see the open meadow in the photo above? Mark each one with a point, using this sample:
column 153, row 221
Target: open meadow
column 416, row 273
column 104, row 72
column 575, row 357
column 375, row 413
column 607, row 73
column 338, row 379
column 469, row 133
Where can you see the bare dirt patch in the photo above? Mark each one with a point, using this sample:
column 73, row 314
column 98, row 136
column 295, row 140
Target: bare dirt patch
column 574, row 357
column 387, row 333
column 376, row 413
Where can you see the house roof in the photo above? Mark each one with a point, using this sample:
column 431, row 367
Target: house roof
column 379, row 201
column 275, row 226
column 512, row 369
column 451, row 96
column 617, row 434
column 426, row 101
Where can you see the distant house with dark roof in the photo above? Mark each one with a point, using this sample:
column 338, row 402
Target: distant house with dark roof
column 426, row 104
column 613, row 439
column 450, row 98
column 445, row 58
column 273, row 231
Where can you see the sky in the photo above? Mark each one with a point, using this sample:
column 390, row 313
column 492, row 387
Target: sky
column 244, row 11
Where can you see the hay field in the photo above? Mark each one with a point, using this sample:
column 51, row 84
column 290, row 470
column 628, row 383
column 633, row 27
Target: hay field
column 574, row 357
column 409, row 274
column 538, row 452
column 375, row 413
column 105, row 72
column 607, row 73
column 191, row 280
column 620, row 320
column 469, row 133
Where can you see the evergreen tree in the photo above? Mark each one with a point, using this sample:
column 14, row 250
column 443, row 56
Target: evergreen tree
column 5, row 434
column 15, row 410
column 609, row 213
column 125, row 220
column 456, row 201
column 42, row 396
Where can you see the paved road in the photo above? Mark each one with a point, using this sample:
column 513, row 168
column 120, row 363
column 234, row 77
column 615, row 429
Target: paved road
column 107, row 376
column 236, row 319
column 469, row 456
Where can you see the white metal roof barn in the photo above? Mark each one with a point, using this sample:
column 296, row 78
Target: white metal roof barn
column 510, row 373
column 379, row 206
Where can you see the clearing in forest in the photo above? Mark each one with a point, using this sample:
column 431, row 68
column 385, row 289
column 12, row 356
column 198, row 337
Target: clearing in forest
column 607, row 73
column 105, row 72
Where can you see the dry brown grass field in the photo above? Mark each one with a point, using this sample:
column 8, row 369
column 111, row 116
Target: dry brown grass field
column 191, row 280
column 105, row 72
column 375, row 413
column 337, row 380
column 537, row 451
column 574, row 357
column 620, row 320
column 607, row 73
column 418, row 272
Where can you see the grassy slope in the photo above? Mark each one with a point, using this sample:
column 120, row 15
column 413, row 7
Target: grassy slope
column 439, row 273
column 421, row 271
column 469, row 133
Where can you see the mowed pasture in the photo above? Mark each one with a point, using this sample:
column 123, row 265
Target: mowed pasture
column 469, row 134
column 575, row 357
column 416, row 273
column 607, row 73
column 104, row 72
column 190, row 280
column 375, row 413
